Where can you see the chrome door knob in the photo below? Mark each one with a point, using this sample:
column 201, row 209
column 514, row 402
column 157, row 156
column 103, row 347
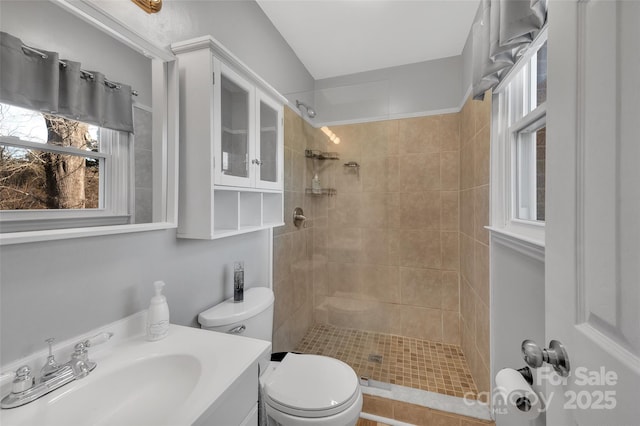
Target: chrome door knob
column 556, row 355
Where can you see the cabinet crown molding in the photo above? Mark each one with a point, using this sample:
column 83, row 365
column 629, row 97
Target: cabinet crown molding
column 224, row 54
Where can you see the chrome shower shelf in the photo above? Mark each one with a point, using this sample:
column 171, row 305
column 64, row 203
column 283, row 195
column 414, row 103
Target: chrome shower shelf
column 313, row 153
column 324, row 191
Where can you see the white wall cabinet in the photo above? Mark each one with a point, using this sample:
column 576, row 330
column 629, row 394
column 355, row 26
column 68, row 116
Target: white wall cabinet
column 231, row 144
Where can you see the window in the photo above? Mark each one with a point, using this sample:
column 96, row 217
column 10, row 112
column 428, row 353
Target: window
column 520, row 137
column 60, row 173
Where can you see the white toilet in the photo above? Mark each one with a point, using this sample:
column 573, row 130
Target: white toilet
column 301, row 389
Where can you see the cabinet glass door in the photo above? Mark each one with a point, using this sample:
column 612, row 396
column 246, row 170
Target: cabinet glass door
column 269, row 133
column 235, row 132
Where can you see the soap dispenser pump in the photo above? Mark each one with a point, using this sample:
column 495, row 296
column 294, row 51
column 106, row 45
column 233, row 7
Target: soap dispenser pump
column 158, row 315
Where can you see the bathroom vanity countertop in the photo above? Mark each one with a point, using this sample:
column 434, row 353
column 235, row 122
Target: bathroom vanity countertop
column 175, row 381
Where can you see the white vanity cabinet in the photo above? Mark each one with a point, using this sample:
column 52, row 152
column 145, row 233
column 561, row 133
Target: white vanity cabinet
column 231, row 144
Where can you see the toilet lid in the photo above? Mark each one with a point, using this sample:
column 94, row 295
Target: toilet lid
column 311, row 386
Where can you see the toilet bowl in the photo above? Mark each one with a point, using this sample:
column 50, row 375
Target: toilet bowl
column 301, row 389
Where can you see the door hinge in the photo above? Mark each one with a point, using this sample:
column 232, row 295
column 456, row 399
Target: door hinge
column 214, row 78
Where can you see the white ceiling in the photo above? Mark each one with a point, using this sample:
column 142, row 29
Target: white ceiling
column 339, row 37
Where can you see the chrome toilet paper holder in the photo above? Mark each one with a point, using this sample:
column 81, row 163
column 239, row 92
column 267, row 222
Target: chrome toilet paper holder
column 556, row 355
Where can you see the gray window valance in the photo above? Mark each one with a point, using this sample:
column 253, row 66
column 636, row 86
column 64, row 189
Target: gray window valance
column 37, row 79
column 501, row 35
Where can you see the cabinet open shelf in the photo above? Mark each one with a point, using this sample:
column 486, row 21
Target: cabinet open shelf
column 239, row 210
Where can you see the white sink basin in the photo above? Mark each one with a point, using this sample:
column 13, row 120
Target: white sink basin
column 174, row 381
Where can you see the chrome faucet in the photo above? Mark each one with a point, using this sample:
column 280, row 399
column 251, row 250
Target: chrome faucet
column 25, row 388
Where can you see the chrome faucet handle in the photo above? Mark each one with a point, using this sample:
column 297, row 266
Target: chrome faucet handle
column 51, row 366
column 80, row 362
column 23, row 380
column 97, row 339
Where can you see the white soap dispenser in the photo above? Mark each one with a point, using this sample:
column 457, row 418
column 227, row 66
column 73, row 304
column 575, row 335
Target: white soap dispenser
column 158, row 315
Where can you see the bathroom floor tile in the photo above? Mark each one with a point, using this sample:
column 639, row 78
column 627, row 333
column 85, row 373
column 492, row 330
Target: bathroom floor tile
column 416, row 363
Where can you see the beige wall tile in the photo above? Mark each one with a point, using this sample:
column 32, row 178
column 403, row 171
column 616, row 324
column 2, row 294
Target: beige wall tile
column 283, row 292
column 282, row 248
column 351, row 137
column 483, row 382
column 450, row 291
column 419, row 172
column 467, row 122
column 467, row 219
column 468, row 342
column 374, row 174
column 373, row 210
column 481, row 270
column 393, row 210
column 422, row 323
column 364, row 315
column 376, row 138
column 298, row 171
column 481, row 213
column 281, row 340
column 418, row 135
column 378, row 406
column 411, row 413
column 344, row 244
column 451, row 327
column 421, row 287
column 450, row 250
column 449, row 210
column 467, row 257
column 448, row 132
column 288, row 167
column 320, row 278
column 468, row 307
column 481, row 156
column 439, row 418
column 467, row 172
column 344, row 280
column 380, row 283
column 376, row 247
column 482, row 331
column 346, row 180
column 347, row 210
column 450, row 170
column 420, row 210
column 420, row 249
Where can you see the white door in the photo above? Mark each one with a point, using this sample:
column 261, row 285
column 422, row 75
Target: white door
column 592, row 281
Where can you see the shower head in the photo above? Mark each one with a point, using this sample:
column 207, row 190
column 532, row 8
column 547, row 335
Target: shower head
column 311, row 113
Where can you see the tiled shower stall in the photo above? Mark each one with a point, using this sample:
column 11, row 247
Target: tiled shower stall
column 390, row 274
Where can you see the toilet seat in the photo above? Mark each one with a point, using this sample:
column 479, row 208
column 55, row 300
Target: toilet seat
column 311, row 386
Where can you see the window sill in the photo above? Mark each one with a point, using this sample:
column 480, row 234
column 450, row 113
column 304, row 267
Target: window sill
column 525, row 244
column 64, row 234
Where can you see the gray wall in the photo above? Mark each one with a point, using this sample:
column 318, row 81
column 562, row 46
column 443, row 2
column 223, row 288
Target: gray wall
column 467, row 56
column 517, row 313
column 241, row 26
column 63, row 288
column 431, row 86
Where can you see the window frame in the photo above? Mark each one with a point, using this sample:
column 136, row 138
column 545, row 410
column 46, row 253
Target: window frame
column 115, row 186
column 510, row 100
column 164, row 106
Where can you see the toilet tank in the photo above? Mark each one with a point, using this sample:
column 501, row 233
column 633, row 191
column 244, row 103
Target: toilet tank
column 251, row 318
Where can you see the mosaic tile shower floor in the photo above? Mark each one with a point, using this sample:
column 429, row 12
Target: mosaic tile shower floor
column 419, row 364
